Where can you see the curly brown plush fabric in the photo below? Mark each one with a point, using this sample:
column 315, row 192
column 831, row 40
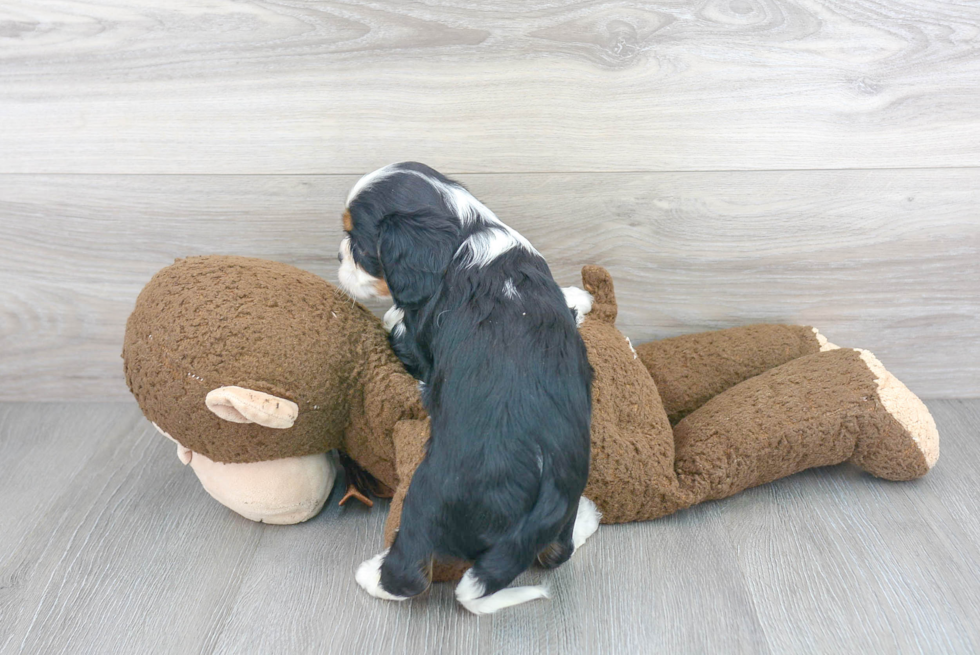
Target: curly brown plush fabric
column 760, row 402
column 691, row 369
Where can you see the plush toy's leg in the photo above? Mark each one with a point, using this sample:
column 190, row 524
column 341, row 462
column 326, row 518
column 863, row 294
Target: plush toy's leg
column 690, row 370
column 817, row 410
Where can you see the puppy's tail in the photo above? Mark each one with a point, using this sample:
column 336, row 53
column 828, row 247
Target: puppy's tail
column 598, row 282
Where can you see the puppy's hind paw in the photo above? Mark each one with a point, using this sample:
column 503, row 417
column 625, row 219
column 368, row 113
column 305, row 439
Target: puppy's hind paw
column 586, row 521
column 579, row 301
column 369, row 577
column 469, row 593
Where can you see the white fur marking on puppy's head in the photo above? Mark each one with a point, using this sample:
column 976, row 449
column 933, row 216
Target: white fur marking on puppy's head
column 465, row 204
column 369, row 179
column 499, row 238
column 470, row 590
column 369, row 577
column 354, row 280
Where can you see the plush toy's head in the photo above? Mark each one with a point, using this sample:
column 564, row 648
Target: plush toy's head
column 242, row 360
column 229, row 379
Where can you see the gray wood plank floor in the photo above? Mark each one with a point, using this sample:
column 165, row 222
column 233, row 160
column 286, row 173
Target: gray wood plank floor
column 108, row 545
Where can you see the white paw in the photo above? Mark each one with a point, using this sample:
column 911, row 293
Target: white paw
column 580, row 300
column 586, row 521
column 469, row 593
column 369, row 577
column 393, row 320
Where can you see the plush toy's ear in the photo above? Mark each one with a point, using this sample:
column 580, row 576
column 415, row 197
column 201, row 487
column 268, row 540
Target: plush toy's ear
column 240, row 405
column 416, row 249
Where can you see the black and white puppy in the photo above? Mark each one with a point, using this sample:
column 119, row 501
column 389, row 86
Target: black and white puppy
column 480, row 321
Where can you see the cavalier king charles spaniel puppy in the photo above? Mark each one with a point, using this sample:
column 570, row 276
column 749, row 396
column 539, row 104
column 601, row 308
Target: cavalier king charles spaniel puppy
column 480, row 322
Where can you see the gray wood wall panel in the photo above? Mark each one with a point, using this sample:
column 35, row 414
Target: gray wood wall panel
column 888, row 260
column 342, row 87
column 109, row 545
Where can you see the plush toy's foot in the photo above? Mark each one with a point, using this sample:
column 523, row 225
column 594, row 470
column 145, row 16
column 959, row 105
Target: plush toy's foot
column 279, row 491
column 818, row 410
column 908, row 446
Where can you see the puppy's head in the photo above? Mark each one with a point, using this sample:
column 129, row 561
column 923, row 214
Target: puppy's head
column 402, row 225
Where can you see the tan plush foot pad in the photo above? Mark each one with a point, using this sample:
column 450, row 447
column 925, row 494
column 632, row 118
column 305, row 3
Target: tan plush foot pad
column 822, row 340
column 908, row 446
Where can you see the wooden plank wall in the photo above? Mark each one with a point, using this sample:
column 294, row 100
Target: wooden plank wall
column 730, row 161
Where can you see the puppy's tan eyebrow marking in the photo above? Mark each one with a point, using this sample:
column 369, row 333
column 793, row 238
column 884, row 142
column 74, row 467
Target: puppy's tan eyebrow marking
column 348, row 223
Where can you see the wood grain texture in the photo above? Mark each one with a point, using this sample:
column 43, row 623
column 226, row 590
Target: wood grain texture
column 885, row 260
column 508, row 85
column 110, row 545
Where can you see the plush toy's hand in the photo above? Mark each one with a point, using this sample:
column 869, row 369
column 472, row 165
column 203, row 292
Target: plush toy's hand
column 361, row 485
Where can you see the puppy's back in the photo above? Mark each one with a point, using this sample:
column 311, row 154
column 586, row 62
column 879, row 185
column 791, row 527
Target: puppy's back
column 509, row 397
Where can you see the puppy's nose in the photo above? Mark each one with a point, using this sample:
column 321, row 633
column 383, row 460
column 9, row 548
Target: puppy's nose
column 340, row 256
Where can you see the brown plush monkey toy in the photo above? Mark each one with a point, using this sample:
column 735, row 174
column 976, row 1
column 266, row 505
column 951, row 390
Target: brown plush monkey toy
column 258, row 369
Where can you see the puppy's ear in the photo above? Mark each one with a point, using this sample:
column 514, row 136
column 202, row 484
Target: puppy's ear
column 416, row 248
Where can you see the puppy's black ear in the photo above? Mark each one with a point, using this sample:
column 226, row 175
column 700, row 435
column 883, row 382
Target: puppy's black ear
column 415, row 249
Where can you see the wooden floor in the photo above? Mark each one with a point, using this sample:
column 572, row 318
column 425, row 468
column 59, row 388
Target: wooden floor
column 108, row 545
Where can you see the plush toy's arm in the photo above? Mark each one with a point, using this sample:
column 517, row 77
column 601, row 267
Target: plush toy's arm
column 690, row 370
column 817, row 410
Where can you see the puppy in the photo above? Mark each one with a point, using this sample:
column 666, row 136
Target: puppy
column 480, row 321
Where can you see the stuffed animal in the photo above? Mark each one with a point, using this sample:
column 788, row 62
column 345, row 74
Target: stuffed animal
column 258, row 369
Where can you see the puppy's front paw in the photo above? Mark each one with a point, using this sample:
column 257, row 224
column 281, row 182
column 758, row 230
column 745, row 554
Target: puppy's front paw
column 393, row 320
column 579, row 301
